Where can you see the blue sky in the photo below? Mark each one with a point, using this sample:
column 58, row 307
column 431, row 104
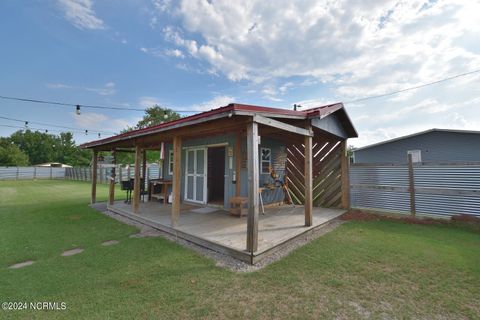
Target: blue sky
column 197, row 55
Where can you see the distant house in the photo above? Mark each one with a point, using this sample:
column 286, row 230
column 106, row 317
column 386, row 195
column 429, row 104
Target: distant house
column 53, row 165
column 434, row 145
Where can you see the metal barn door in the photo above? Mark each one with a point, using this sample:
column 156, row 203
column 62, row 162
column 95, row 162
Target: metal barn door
column 195, row 175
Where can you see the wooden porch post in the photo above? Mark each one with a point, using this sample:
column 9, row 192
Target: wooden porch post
column 253, row 184
column 176, row 183
column 308, row 180
column 345, row 175
column 136, row 184
column 111, row 187
column 411, row 186
column 144, row 165
column 94, row 177
column 238, row 163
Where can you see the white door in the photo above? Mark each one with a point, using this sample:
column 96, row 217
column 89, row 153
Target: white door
column 195, row 175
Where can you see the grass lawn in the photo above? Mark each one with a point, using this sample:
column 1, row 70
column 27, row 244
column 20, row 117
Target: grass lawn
column 363, row 269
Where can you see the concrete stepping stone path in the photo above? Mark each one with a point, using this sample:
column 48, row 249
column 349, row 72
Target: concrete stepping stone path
column 72, row 252
column 110, row 243
column 21, row 264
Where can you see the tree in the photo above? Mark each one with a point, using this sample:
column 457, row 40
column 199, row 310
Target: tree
column 69, row 153
column 43, row 147
column 154, row 115
column 40, row 147
column 157, row 115
column 11, row 155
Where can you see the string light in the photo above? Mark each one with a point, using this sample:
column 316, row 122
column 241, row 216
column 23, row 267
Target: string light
column 55, row 125
column 77, row 111
column 60, row 104
column 44, row 130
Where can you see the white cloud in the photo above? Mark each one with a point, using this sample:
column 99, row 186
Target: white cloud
column 363, row 48
column 174, row 53
column 330, row 51
column 81, row 14
column 147, row 102
column 101, row 122
column 106, row 90
column 216, row 102
column 58, row 86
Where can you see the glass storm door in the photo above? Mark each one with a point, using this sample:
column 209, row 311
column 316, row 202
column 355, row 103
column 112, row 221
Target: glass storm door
column 195, row 175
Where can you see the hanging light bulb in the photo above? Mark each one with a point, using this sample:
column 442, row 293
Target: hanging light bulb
column 46, row 130
column 26, row 124
column 86, row 132
column 165, row 116
column 77, row 111
column 99, row 135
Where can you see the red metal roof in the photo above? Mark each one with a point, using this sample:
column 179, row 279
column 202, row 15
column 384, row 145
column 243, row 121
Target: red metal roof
column 322, row 111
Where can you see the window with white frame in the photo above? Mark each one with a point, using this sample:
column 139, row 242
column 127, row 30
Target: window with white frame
column 266, row 160
column 416, row 155
column 170, row 162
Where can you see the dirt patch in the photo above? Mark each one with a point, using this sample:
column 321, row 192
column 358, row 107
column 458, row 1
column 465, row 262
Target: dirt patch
column 71, row 252
column 21, row 264
column 360, row 216
column 75, row 217
column 463, row 220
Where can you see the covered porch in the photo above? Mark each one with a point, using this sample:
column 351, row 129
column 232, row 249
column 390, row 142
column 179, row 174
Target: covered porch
column 216, row 229
column 239, row 153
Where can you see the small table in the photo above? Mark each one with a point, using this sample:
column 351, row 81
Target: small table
column 164, row 184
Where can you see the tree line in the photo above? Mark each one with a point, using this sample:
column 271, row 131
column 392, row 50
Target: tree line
column 28, row 147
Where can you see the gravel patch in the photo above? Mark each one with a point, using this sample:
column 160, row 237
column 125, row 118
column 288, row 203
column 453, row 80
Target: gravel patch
column 72, row 252
column 110, row 243
column 21, row 264
column 220, row 259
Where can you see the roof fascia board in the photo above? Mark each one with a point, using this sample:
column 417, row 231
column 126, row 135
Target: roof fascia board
column 281, row 125
column 159, row 130
column 268, row 114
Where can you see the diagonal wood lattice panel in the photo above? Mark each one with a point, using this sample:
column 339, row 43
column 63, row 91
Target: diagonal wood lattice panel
column 327, row 173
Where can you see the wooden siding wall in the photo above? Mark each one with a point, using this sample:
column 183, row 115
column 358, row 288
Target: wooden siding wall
column 278, row 162
column 279, row 157
column 327, row 182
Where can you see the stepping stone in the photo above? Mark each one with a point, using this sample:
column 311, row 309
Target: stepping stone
column 110, row 243
column 71, row 252
column 137, row 235
column 21, row 264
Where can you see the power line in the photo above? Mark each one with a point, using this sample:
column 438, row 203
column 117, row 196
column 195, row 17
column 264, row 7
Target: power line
column 65, row 104
column 413, row 88
column 86, row 132
column 54, row 125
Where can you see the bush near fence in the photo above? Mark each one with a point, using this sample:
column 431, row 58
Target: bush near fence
column 425, row 189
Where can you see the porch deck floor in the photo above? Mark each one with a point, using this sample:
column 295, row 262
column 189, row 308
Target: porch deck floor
column 216, row 225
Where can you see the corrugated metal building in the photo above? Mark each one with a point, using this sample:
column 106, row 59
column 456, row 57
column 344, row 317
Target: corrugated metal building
column 434, row 145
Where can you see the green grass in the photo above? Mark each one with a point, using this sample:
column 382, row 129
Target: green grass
column 376, row 269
